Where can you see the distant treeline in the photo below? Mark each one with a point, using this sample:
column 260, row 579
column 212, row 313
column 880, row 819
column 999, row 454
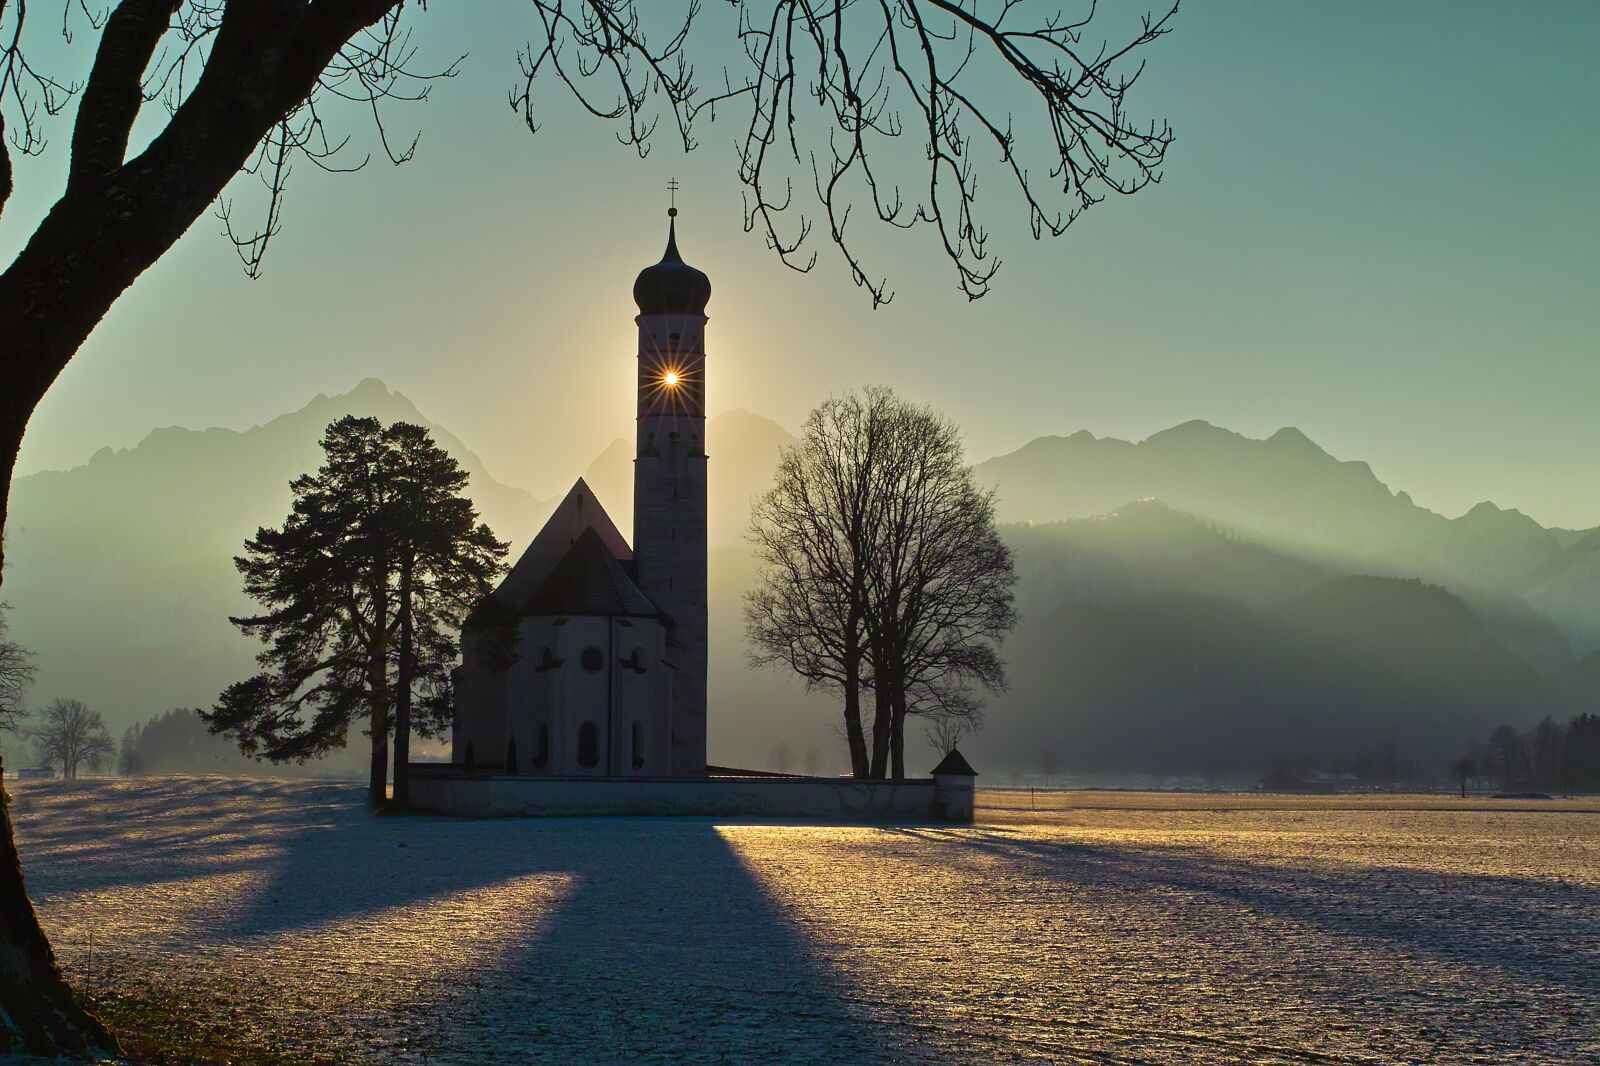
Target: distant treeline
column 179, row 741
column 1550, row 757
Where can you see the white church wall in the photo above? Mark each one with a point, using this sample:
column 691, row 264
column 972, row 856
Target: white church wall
column 641, row 697
column 529, row 693
column 580, row 696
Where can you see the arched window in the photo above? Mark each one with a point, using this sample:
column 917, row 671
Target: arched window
column 638, row 745
column 541, row 749
column 592, row 659
column 588, row 745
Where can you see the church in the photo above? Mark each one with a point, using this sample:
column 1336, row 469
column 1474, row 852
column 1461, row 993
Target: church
column 582, row 684
column 604, row 673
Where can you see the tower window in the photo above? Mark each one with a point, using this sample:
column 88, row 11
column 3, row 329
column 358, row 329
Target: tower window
column 588, row 745
column 638, row 745
column 592, row 660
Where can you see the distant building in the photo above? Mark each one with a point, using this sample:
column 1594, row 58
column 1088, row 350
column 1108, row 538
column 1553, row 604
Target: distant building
column 606, row 674
column 1279, row 781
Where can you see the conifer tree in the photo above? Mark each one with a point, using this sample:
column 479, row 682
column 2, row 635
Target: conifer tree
column 364, row 589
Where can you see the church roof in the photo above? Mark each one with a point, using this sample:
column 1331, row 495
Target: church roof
column 589, row 580
column 671, row 286
column 955, row 763
column 578, row 511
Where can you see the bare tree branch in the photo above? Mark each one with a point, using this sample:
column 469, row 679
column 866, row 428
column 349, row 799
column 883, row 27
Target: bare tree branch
column 114, row 93
column 830, row 86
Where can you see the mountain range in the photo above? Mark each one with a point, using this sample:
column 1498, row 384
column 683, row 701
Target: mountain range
column 1285, row 492
column 1196, row 600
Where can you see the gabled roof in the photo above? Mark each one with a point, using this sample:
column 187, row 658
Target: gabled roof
column 589, row 581
column 578, row 511
column 955, row 764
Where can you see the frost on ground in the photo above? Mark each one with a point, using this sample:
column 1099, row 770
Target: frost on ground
column 1110, row 928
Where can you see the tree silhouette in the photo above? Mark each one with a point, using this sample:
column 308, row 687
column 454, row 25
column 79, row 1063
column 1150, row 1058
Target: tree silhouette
column 940, row 585
column 71, row 735
column 16, row 674
column 253, row 86
column 365, row 587
column 1580, row 755
column 1507, row 757
column 882, row 571
column 815, row 532
column 128, row 760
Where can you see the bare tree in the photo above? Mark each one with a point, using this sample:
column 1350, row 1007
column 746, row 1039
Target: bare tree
column 939, row 596
column 833, row 95
column 896, row 91
column 882, row 571
column 945, row 732
column 782, row 757
column 16, row 674
column 1463, row 770
column 71, row 735
column 815, row 533
column 891, row 106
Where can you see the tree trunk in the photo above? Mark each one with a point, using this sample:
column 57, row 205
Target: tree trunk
column 881, row 718
column 852, row 718
column 41, row 1017
column 113, row 223
column 897, row 734
column 402, row 700
column 378, row 681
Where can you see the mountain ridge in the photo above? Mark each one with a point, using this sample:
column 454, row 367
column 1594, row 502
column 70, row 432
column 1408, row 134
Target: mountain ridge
column 122, row 574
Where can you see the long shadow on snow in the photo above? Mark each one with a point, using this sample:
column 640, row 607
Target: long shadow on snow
column 1463, row 918
column 665, row 948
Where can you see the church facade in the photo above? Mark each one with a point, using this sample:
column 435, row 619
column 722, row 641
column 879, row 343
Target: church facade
column 590, row 659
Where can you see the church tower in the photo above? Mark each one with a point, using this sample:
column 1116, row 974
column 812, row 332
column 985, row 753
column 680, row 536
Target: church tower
column 669, row 483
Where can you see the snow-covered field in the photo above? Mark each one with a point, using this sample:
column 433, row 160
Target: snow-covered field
column 1109, row 928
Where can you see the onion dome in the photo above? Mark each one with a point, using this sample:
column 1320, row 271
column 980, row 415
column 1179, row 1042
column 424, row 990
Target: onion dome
column 672, row 287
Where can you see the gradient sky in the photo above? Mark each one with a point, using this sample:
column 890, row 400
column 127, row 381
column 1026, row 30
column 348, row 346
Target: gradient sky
column 1376, row 224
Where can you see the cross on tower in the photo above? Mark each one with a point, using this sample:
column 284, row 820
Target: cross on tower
column 672, row 192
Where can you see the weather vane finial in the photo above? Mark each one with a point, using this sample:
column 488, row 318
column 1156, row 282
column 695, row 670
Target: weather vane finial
column 672, row 192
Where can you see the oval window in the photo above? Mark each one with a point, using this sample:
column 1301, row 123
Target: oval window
column 592, row 659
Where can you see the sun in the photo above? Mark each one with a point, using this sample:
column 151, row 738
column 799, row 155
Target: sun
column 670, row 379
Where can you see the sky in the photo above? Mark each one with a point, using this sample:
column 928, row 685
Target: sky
column 1375, row 224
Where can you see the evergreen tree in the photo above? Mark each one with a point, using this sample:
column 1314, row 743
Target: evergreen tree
column 128, row 760
column 364, row 588
column 446, row 563
column 1580, row 755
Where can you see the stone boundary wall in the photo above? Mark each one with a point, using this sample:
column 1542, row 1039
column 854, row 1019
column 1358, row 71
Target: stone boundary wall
column 449, row 790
